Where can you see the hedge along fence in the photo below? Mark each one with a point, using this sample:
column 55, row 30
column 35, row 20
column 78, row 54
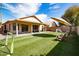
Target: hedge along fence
column 75, row 28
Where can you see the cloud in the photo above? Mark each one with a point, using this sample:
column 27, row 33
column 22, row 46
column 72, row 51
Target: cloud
column 52, row 3
column 45, row 19
column 23, row 9
column 54, row 7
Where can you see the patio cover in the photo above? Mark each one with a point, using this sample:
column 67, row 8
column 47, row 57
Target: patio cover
column 64, row 22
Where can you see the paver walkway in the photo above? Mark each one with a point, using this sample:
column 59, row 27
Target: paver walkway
column 2, row 36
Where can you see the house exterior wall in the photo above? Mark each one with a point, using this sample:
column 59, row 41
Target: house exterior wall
column 0, row 29
column 53, row 28
column 20, row 28
column 11, row 27
column 30, row 27
column 43, row 28
column 40, row 28
column 7, row 27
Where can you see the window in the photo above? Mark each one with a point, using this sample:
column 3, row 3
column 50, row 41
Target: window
column 5, row 27
column 24, row 28
column 35, row 28
column 14, row 26
column 9, row 27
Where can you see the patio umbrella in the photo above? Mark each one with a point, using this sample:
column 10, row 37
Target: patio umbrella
column 60, row 20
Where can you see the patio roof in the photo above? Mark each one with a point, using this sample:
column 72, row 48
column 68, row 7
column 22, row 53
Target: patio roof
column 63, row 21
column 33, row 19
column 29, row 19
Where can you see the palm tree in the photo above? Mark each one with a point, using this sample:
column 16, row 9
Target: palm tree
column 72, row 16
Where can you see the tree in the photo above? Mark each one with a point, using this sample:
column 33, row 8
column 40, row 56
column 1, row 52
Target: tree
column 72, row 16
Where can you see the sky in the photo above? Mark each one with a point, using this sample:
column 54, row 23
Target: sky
column 43, row 11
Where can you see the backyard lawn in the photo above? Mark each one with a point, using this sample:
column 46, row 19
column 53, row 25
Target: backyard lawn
column 33, row 45
column 41, row 45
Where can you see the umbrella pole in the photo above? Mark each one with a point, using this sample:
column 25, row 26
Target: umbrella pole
column 12, row 45
column 6, row 42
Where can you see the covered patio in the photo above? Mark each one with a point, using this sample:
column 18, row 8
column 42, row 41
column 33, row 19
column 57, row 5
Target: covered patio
column 23, row 25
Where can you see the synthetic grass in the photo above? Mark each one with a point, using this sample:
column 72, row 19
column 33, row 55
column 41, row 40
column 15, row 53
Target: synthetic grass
column 34, row 45
column 69, row 47
column 44, row 44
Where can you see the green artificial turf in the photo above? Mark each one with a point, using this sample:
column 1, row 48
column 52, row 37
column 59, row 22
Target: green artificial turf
column 68, row 47
column 43, row 44
column 33, row 45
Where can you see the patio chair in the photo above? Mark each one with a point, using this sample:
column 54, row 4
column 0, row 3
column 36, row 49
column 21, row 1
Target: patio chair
column 61, row 37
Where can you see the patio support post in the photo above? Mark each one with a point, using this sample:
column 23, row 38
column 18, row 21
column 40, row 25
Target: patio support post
column 31, row 28
column 40, row 28
column 16, row 29
column 20, row 28
column 11, row 28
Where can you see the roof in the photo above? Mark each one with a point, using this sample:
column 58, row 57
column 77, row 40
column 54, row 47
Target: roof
column 32, row 19
column 52, row 23
column 63, row 21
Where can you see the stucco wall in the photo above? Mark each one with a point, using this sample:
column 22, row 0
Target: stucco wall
column 0, row 29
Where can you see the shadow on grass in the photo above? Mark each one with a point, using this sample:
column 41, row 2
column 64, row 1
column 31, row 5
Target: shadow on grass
column 44, row 35
column 6, row 50
column 66, row 48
